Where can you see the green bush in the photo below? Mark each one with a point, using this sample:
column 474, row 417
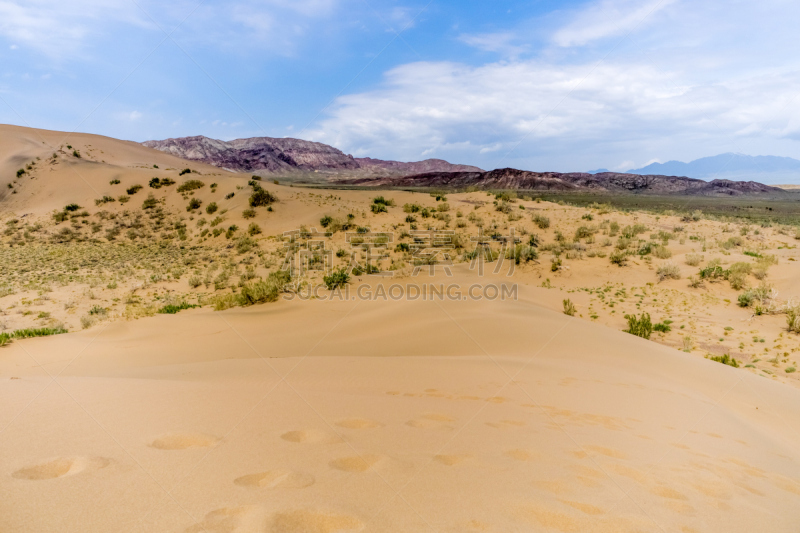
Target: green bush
column 253, row 229
column 194, row 203
column 337, row 278
column 378, row 208
column 618, row 257
column 185, row 171
column 249, row 213
column 174, row 309
column 72, row 207
column 104, row 200
column 745, row 299
column 261, row 197
column 380, row 200
column 114, row 182
column 325, row 221
column 150, row 202
column 639, row 326
column 263, row 291
column 725, row 360
column 212, row 208
column 190, row 185
column 133, row 189
column 569, row 307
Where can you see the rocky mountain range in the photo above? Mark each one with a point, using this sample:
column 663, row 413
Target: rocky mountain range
column 764, row 168
column 285, row 155
column 605, row 182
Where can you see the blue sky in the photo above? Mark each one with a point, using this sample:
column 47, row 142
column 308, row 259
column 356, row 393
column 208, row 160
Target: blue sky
column 540, row 85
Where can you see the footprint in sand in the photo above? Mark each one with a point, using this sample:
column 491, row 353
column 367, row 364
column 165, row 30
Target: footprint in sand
column 183, row 441
column 231, row 520
column 358, row 423
column 274, row 479
column 520, row 455
column 306, row 521
column 450, row 460
column 311, row 436
column 356, row 463
column 61, row 467
column 251, row 518
column 503, row 424
column 432, row 421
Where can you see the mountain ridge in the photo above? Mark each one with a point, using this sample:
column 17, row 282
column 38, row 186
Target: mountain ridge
column 604, row 182
column 766, row 168
column 287, row 155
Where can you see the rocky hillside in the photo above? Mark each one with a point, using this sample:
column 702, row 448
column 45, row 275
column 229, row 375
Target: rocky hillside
column 286, row 155
column 509, row 178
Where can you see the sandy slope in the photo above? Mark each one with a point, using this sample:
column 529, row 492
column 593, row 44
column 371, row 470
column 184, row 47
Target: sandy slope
column 388, row 416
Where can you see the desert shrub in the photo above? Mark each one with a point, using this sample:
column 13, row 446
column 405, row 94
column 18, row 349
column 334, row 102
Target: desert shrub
column 124, row 199
column 661, row 252
column 725, row 360
column 185, row 171
column 793, row 317
column 263, row 291
column 253, row 229
column 337, row 278
column 244, row 244
column 155, row 183
column 713, row 273
column 380, row 200
column 583, row 232
column 693, row 259
column 190, row 185
column 521, row 253
column 133, row 189
column 745, row 299
column 166, row 182
column 172, row 309
column 668, row 270
column 629, row 232
column 695, row 283
column 72, row 207
column 195, row 281
column 663, row 327
column 639, row 326
column 378, row 208
column 104, row 200
column 618, row 257
column 325, row 221
column 194, row 203
column 569, row 307
column 503, row 207
column 212, row 208
column 411, row 219
column 541, row 221
column 60, row 216
column 261, row 197
column 443, row 207
column 150, row 202
column 412, row 208
column 249, row 213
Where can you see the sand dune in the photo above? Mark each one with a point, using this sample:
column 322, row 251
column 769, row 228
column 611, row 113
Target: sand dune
column 563, row 426
column 374, row 415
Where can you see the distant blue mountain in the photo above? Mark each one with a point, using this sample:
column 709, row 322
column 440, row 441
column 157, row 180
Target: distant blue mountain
column 739, row 167
column 598, row 171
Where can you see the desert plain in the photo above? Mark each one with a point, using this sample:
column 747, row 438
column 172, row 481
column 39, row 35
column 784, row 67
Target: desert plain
column 188, row 386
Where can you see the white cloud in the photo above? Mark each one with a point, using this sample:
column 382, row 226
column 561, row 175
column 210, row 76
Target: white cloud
column 503, row 43
column 59, row 28
column 608, row 18
column 440, row 106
